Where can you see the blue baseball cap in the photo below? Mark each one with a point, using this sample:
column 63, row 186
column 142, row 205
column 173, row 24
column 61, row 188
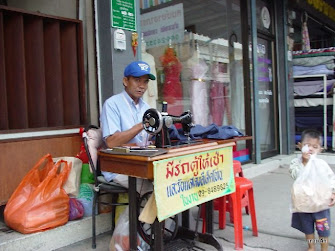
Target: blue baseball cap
column 138, row 69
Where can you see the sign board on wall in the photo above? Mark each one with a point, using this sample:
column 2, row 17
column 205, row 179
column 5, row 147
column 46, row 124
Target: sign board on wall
column 323, row 7
column 163, row 25
column 186, row 181
column 144, row 4
column 123, row 14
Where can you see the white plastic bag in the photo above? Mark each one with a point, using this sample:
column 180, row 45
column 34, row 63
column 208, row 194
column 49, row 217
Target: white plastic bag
column 120, row 238
column 312, row 190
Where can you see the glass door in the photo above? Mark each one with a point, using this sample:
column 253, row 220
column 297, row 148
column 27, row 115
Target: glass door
column 267, row 120
column 267, row 98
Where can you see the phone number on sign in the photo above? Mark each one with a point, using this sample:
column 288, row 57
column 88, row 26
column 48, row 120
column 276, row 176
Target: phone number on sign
column 212, row 189
column 163, row 41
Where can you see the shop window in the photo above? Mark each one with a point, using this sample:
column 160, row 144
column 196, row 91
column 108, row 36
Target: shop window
column 41, row 72
column 195, row 48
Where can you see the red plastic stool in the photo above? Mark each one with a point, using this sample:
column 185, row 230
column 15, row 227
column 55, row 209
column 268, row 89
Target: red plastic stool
column 218, row 204
column 238, row 171
column 243, row 185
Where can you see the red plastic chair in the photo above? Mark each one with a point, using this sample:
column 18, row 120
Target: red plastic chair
column 219, row 205
column 243, row 197
column 238, row 171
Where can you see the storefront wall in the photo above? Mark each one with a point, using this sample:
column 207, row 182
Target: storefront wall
column 208, row 68
column 285, row 86
column 22, row 148
column 207, row 72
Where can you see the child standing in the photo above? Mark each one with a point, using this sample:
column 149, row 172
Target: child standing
column 310, row 145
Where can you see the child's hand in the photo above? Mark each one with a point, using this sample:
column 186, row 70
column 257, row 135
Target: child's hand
column 332, row 200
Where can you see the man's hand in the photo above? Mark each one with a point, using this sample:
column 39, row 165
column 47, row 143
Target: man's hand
column 332, row 200
column 120, row 138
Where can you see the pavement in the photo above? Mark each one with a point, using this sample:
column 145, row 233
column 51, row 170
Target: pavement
column 272, row 199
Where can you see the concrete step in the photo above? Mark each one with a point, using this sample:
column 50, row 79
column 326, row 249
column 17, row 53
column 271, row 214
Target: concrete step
column 72, row 232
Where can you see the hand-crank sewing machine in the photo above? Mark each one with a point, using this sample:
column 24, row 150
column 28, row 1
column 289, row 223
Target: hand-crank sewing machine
column 157, row 123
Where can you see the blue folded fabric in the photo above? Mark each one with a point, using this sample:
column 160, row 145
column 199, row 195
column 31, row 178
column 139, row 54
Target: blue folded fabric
column 199, row 131
column 175, row 134
column 226, row 132
column 212, row 131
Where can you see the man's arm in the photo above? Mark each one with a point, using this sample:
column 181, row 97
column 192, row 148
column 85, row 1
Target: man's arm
column 120, row 138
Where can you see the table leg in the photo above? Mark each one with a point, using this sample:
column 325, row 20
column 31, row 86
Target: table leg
column 209, row 217
column 132, row 213
column 186, row 219
column 158, row 235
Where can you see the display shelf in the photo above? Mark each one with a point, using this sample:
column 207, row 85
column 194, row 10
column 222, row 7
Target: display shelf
column 324, row 95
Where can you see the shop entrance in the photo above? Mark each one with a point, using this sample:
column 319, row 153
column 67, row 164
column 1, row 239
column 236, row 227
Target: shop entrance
column 267, row 97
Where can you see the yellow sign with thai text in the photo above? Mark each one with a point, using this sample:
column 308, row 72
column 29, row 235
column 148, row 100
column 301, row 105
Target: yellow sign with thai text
column 323, row 7
column 189, row 180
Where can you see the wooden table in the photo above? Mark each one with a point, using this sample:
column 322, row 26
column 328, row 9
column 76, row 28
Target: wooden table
column 142, row 167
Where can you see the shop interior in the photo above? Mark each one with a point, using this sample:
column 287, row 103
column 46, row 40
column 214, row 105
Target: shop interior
column 312, row 43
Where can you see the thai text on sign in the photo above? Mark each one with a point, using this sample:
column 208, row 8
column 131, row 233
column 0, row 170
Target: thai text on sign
column 123, row 14
column 160, row 27
column 186, row 181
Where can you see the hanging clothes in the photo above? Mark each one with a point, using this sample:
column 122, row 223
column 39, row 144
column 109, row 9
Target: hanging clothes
column 217, row 102
column 219, row 93
column 199, row 91
column 226, row 97
column 172, row 89
column 305, row 35
column 151, row 95
column 237, row 88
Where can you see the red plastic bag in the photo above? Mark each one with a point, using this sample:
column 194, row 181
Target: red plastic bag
column 82, row 155
column 39, row 202
column 76, row 209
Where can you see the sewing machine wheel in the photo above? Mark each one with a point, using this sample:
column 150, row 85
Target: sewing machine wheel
column 152, row 121
column 145, row 230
